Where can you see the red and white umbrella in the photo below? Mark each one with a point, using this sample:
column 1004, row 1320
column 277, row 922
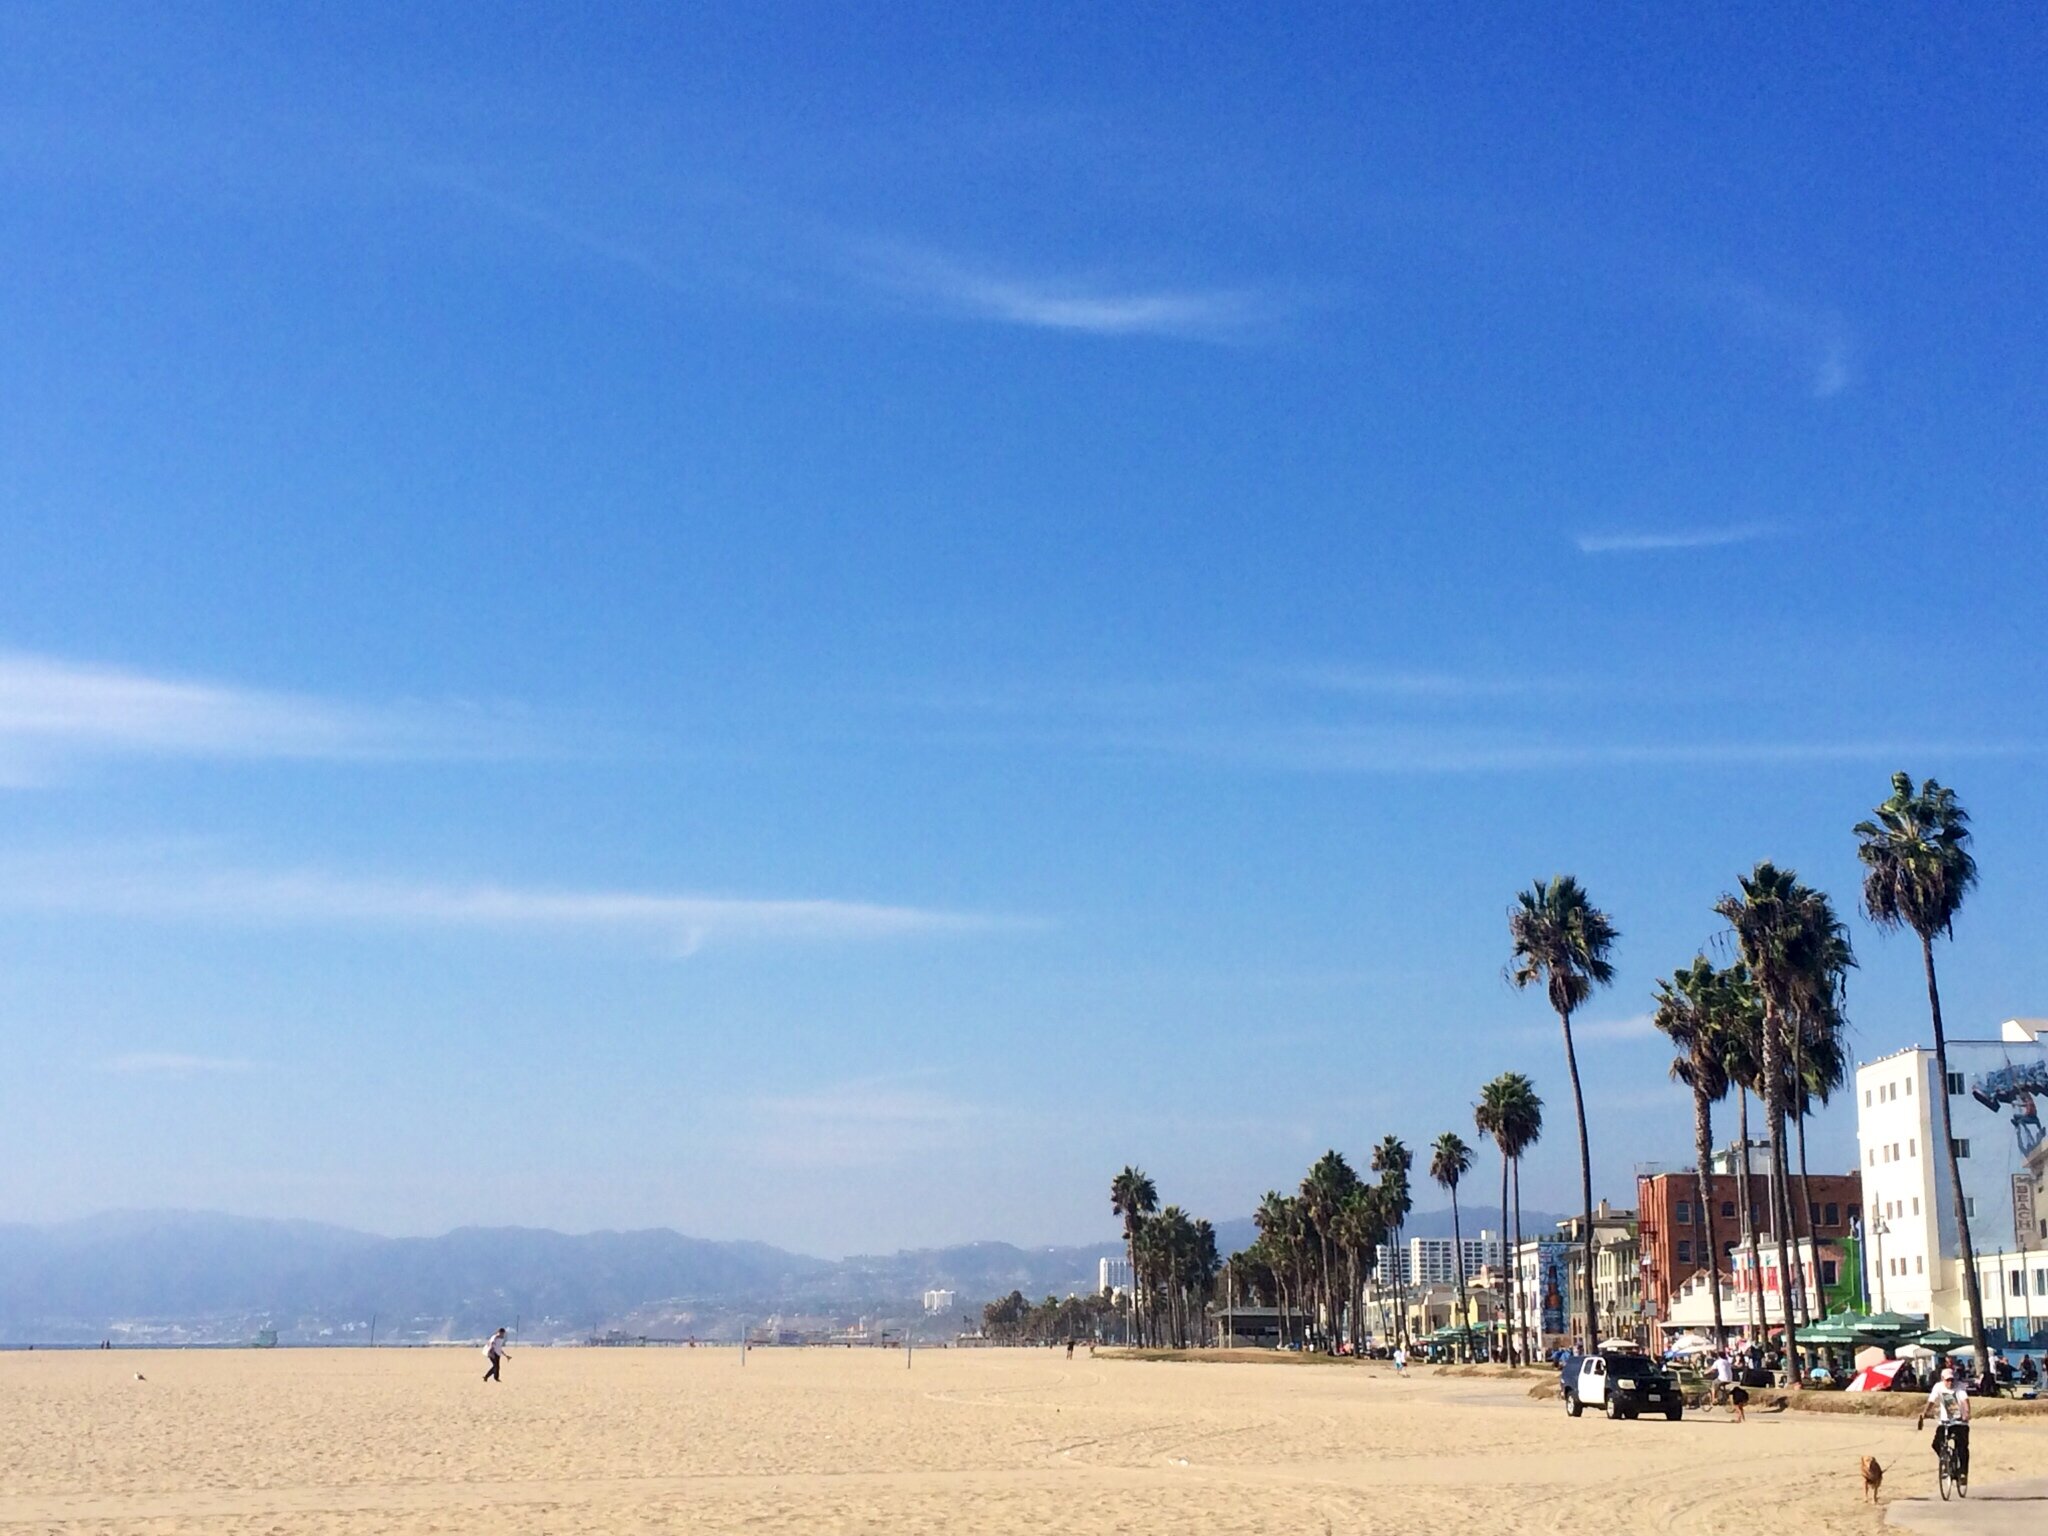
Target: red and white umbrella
column 1876, row 1377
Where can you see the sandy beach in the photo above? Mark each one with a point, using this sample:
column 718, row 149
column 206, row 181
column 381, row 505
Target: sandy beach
column 658, row 1440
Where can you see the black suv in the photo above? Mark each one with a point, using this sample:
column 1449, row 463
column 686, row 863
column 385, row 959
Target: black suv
column 1622, row 1384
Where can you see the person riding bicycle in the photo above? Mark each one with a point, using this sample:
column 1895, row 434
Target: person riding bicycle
column 1724, row 1378
column 1951, row 1407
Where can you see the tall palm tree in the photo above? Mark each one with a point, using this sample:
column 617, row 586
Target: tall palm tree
column 1815, row 1030
column 1742, row 1042
column 1512, row 1115
column 1330, row 1179
column 1917, row 868
column 1797, row 951
column 1360, row 1231
column 1132, row 1196
column 1562, row 940
column 1824, row 1070
column 1449, row 1161
column 1690, row 1018
column 1277, row 1220
column 1525, row 1129
column 1391, row 1160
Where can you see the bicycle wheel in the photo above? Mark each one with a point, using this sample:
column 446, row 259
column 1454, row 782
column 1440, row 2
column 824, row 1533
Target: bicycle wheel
column 1945, row 1476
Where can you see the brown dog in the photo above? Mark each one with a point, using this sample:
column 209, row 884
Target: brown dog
column 1873, row 1478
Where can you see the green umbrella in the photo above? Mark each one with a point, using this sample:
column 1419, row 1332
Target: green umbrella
column 1826, row 1331
column 1941, row 1341
column 1889, row 1328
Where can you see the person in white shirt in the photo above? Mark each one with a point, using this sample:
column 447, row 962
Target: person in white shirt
column 1400, row 1361
column 495, row 1353
column 1950, row 1405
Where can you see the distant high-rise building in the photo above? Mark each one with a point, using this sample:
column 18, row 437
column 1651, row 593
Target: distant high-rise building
column 939, row 1302
column 1434, row 1260
column 1113, row 1276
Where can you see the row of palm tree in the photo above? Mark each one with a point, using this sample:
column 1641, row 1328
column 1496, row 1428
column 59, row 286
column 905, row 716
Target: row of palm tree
column 1013, row 1320
column 1173, row 1260
column 1771, row 1025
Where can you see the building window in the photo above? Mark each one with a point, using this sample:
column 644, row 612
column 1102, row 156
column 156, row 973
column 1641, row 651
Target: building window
column 1685, row 1213
column 1685, row 1250
column 1916, row 1205
column 1909, row 1087
column 2041, row 1282
column 1833, row 1212
column 1962, row 1146
column 1873, row 1157
column 1955, row 1083
column 1912, row 1146
column 1829, row 1274
column 2016, row 1283
column 1919, row 1265
column 1728, row 1209
column 1866, row 1098
column 1970, row 1206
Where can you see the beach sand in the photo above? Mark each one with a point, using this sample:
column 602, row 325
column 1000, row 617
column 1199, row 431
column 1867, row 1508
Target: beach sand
column 643, row 1440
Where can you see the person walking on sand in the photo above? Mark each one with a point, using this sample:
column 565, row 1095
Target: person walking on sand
column 1400, row 1358
column 495, row 1353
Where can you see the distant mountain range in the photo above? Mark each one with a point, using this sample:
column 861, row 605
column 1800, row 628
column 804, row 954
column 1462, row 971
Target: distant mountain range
column 199, row 1277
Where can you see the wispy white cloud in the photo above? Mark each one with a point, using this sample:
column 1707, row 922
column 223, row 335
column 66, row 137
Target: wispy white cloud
column 1654, row 540
column 1449, row 750
column 1421, row 686
column 1098, row 308
column 678, row 923
column 1818, row 337
column 1637, row 1026
column 1331, row 720
column 175, row 1064
column 864, row 1122
column 53, row 710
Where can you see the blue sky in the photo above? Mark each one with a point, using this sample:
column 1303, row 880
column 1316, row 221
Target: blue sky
column 824, row 624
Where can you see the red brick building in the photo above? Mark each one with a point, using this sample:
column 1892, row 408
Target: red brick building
column 1672, row 1230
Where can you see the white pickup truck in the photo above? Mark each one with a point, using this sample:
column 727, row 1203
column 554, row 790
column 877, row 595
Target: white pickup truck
column 1620, row 1383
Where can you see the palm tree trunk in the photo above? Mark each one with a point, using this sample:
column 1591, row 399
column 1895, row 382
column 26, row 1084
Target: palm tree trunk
column 1458, row 1250
column 1131, row 1291
column 1400, row 1287
column 1971, row 1290
column 1703, row 1154
column 1816, row 1300
column 1571, row 1062
column 1507, row 1267
column 1805, row 1211
column 1527, row 1350
column 1774, row 1117
column 1747, row 1196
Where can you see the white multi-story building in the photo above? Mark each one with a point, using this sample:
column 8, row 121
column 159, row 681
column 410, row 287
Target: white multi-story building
column 1912, row 1251
column 1113, row 1275
column 1434, row 1260
column 939, row 1302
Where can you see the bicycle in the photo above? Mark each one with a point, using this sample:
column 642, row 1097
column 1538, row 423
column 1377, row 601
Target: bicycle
column 1952, row 1479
